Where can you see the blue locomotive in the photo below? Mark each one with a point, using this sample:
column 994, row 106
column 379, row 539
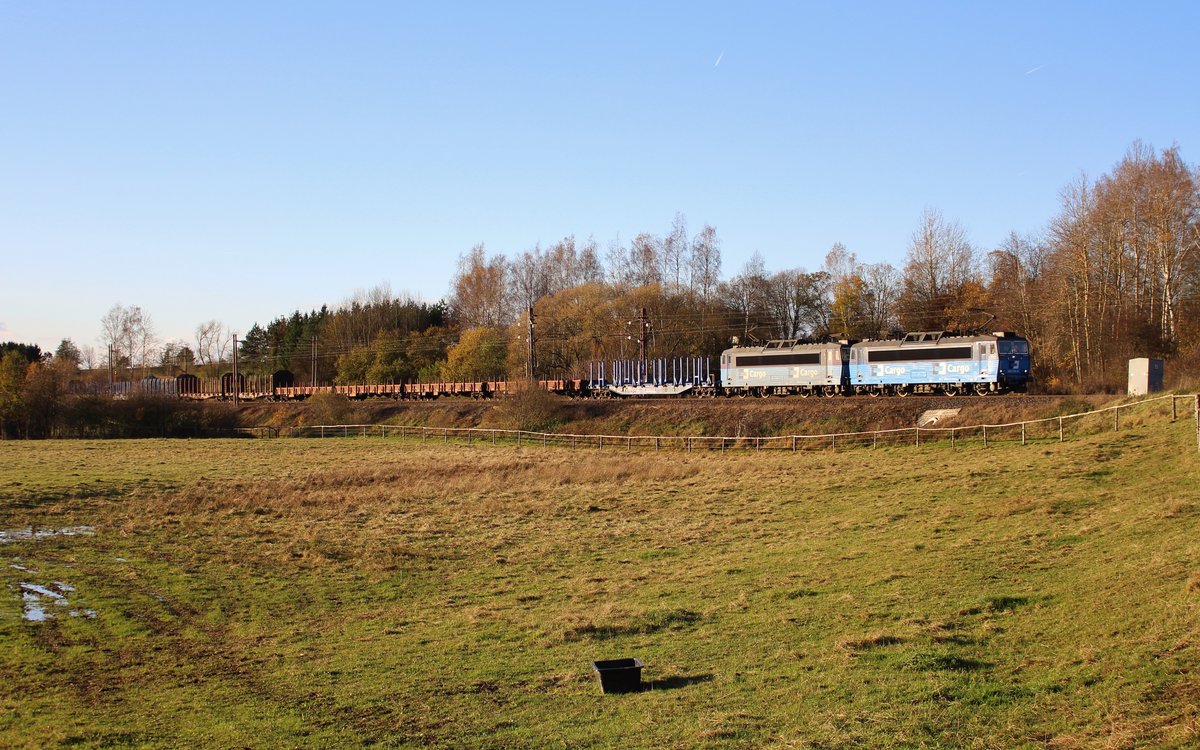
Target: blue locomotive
column 925, row 362
column 936, row 362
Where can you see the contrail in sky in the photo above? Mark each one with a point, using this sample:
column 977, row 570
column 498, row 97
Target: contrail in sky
column 718, row 62
column 1034, row 70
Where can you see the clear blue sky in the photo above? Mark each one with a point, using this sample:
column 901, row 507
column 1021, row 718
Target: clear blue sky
column 241, row 160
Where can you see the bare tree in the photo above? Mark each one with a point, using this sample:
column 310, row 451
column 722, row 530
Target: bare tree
column 479, row 296
column 528, row 278
column 675, row 253
column 796, row 305
column 882, row 292
column 644, row 260
column 590, row 270
column 745, row 294
column 706, row 263
column 212, row 342
column 562, row 267
column 940, row 262
column 87, row 357
column 130, row 333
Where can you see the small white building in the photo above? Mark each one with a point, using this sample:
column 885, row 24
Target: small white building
column 1145, row 376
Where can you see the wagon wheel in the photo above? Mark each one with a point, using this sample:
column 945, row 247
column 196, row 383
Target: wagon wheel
column 952, row 389
column 764, row 392
column 804, row 392
column 902, row 391
column 875, row 392
column 982, row 389
column 831, row 391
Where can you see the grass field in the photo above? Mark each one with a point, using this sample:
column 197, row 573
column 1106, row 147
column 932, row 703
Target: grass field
column 307, row 593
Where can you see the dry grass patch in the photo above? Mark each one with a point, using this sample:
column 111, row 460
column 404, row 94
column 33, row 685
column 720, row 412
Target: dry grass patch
column 334, row 593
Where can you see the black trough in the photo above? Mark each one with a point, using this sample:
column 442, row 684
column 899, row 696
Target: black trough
column 619, row 675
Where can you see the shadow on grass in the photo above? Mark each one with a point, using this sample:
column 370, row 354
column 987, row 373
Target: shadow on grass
column 674, row 683
column 946, row 662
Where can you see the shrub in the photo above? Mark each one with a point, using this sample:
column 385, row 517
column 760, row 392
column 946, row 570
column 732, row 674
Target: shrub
column 530, row 408
column 330, row 408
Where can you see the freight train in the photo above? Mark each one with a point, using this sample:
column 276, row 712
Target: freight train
column 919, row 363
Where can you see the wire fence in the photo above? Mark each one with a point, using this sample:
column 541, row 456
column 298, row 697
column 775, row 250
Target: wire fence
column 1046, row 429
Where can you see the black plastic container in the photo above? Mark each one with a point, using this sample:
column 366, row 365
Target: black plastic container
column 619, row 675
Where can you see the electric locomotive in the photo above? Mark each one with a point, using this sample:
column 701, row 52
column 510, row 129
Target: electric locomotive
column 781, row 368
column 937, row 362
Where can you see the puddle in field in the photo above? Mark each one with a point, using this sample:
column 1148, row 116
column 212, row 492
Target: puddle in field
column 17, row 535
column 39, row 603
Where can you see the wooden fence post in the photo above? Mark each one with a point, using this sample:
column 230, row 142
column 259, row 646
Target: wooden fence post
column 1022, row 433
column 1060, row 429
column 985, row 436
column 918, row 429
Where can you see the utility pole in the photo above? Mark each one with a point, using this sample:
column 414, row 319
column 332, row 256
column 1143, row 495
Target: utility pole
column 236, row 385
column 643, row 342
column 110, row 366
column 313, row 362
column 645, row 321
column 530, row 365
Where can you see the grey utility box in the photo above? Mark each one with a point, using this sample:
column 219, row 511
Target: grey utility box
column 1145, row 376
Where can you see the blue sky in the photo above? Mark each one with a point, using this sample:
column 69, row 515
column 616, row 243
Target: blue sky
column 241, row 160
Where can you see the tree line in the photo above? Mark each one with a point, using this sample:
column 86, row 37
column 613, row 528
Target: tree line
column 1114, row 274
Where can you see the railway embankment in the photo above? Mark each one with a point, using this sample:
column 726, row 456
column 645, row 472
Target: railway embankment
column 734, row 417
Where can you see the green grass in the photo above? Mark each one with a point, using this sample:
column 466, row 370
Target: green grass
column 308, row 593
